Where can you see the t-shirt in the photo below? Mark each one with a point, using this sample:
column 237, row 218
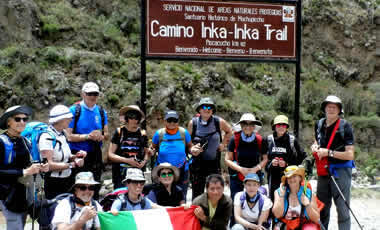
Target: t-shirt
column 89, row 120
column 251, row 214
column 161, row 196
column 131, row 145
column 63, row 212
column 61, row 151
column 130, row 206
column 173, row 152
column 338, row 143
column 248, row 152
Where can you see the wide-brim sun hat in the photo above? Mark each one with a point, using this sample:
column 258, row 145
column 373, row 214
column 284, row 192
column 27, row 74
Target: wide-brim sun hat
column 90, row 87
column 332, row 99
column 10, row 112
column 291, row 171
column 85, row 178
column 134, row 174
column 165, row 165
column 59, row 112
column 206, row 101
column 125, row 109
column 252, row 177
column 250, row 117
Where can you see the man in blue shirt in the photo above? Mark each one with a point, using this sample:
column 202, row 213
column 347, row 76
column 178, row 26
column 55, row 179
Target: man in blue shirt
column 173, row 142
column 88, row 129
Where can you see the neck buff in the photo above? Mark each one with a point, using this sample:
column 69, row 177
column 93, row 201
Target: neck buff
column 248, row 139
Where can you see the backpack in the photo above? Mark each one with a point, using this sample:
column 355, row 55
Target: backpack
column 108, row 200
column 33, row 132
column 78, row 112
column 237, row 136
column 320, row 125
column 259, row 199
column 292, row 138
column 216, row 123
column 162, row 132
column 45, row 209
column 9, row 152
column 125, row 200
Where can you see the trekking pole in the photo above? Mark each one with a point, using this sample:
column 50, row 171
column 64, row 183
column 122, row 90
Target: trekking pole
column 321, row 225
column 34, row 199
column 345, row 201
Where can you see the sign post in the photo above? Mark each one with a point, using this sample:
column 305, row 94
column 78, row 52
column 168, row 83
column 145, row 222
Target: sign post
column 241, row 31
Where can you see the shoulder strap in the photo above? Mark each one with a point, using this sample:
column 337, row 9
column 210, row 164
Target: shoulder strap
column 217, row 126
column 10, row 154
column 333, row 134
column 143, row 203
column 102, row 117
column 259, row 141
column 236, row 141
column 72, row 205
column 291, row 142
column 261, row 203
column 123, row 202
column 194, row 131
column 242, row 199
column 271, row 141
column 182, row 132
column 161, row 133
column 319, row 128
column 76, row 116
column 341, row 128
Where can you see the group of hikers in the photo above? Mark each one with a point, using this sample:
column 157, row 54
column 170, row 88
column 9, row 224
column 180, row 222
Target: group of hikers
column 71, row 161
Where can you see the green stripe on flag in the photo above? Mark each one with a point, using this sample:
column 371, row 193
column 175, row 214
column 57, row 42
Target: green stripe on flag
column 123, row 221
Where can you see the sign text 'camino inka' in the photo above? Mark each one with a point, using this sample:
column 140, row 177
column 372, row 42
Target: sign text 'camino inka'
column 220, row 29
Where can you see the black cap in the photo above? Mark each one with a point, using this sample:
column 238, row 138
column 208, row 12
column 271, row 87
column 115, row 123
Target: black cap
column 171, row 114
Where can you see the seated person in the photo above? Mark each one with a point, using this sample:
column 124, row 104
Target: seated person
column 165, row 192
column 215, row 208
column 85, row 216
column 293, row 205
column 133, row 199
column 250, row 206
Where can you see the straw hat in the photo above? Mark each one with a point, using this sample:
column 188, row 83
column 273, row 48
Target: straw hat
column 293, row 170
column 165, row 165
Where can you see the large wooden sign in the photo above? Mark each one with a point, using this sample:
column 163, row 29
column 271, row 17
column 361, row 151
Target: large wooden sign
column 220, row 29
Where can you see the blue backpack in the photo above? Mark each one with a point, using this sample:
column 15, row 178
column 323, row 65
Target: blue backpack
column 8, row 149
column 33, row 132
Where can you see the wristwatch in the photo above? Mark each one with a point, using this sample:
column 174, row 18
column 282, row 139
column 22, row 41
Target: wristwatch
column 331, row 153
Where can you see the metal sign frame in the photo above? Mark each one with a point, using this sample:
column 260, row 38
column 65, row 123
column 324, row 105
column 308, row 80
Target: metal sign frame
column 296, row 61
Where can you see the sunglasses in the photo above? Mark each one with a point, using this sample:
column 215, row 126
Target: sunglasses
column 172, row 120
column 84, row 187
column 137, row 182
column 248, row 124
column 18, row 119
column 208, row 107
column 92, row 94
column 164, row 175
column 281, row 125
column 134, row 116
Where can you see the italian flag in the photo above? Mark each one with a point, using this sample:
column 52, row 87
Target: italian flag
column 158, row 219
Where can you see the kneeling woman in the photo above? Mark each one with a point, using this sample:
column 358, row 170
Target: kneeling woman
column 295, row 206
column 165, row 192
column 250, row 206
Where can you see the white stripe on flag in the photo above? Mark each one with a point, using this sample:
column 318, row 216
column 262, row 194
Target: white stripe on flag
column 157, row 219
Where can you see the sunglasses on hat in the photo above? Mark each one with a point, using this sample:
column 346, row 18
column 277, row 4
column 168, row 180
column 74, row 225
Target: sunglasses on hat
column 18, row 119
column 85, row 187
column 92, row 94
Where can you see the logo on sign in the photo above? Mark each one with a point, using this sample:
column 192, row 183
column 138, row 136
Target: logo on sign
column 288, row 13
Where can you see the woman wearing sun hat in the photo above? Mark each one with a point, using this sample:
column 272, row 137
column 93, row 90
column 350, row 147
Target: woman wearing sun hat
column 295, row 205
column 15, row 165
column 54, row 147
column 165, row 192
column 129, row 144
column 283, row 150
column 86, row 208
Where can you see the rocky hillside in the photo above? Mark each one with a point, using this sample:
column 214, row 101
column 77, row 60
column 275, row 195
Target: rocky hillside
column 49, row 48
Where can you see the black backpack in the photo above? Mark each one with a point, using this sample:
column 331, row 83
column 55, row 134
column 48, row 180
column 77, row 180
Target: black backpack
column 44, row 210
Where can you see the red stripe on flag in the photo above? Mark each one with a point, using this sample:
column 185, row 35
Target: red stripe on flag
column 183, row 219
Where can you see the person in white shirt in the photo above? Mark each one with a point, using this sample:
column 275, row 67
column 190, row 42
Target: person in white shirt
column 53, row 146
column 251, row 206
column 84, row 216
